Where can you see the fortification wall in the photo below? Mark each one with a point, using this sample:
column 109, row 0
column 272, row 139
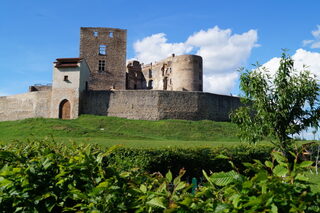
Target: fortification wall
column 28, row 105
column 131, row 104
column 157, row 105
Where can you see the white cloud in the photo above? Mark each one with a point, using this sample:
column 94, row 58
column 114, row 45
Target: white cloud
column 301, row 57
column 156, row 47
column 307, row 42
column 221, row 83
column 222, row 52
column 3, row 94
column 314, row 43
column 316, row 33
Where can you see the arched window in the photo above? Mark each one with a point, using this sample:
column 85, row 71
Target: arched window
column 64, row 109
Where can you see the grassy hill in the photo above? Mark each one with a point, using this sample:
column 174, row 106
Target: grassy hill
column 110, row 131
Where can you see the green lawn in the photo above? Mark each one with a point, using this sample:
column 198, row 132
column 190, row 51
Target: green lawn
column 108, row 131
column 111, row 131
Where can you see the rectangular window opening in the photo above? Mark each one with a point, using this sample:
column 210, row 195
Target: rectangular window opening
column 102, row 65
column 95, row 34
column 110, row 34
column 103, row 50
column 65, row 78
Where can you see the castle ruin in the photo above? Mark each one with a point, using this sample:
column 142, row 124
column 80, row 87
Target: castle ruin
column 99, row 82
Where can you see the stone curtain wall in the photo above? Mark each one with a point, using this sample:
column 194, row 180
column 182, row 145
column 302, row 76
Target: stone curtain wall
column 157, row 105
column 28, row 105
column 139, row 104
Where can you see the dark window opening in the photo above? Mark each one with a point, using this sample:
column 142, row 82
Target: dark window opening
column 200, row 75
column 170, row 81
column 165, row 83
column 87, row 86
column 110, row 34
column 200, row 87
column 150, row 73
column 200, row 64
column 65, row 78
column 95, row 34
column 150, row 84
column 102, row 64
column 103, row 50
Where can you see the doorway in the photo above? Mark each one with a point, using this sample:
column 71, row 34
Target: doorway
column 64, row 109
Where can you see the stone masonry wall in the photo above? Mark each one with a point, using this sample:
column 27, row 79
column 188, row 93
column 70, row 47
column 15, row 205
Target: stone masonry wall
column 175, row 73
column 114, row 40
column 157, row 105
column 28, row 105
column 131, row 104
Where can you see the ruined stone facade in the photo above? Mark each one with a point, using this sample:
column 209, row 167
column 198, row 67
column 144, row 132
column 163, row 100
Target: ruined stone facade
column 175, row 73
column 105, row 52
column 134, row 76
column 100, row 83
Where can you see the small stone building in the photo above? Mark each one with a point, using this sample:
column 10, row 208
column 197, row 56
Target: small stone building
column 70, row 81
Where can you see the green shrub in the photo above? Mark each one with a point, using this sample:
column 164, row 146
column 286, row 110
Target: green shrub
column 193, row 160
column 52, row 177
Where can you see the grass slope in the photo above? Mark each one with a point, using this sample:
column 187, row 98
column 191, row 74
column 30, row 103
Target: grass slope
column 110, row 131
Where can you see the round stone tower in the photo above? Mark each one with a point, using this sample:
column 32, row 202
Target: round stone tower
column 187, row 73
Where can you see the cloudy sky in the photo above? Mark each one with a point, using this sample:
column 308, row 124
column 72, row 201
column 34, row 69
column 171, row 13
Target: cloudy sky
column 227, row 34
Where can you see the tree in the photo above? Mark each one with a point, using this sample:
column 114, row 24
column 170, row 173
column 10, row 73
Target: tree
column 278, row 106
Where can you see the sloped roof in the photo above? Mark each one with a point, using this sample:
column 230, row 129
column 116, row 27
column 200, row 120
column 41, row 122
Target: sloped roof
column 67, row 62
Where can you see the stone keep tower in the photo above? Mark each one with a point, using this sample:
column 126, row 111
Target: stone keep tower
column 104, row 49
column 175, row 73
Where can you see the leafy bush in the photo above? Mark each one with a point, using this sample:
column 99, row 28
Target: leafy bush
column 193, row 160
column 47, row 177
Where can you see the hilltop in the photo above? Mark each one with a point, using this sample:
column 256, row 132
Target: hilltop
column 111, row 130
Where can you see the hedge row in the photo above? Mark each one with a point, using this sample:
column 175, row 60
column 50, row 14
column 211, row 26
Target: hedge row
column 48, row 177
column 193, row 160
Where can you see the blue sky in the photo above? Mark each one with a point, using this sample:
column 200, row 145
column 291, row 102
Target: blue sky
column 34, row 33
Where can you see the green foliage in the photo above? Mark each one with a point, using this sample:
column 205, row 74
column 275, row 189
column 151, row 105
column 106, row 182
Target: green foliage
column 48, row 177
column 277, row 106
column 193, row 160
column 273, row 186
